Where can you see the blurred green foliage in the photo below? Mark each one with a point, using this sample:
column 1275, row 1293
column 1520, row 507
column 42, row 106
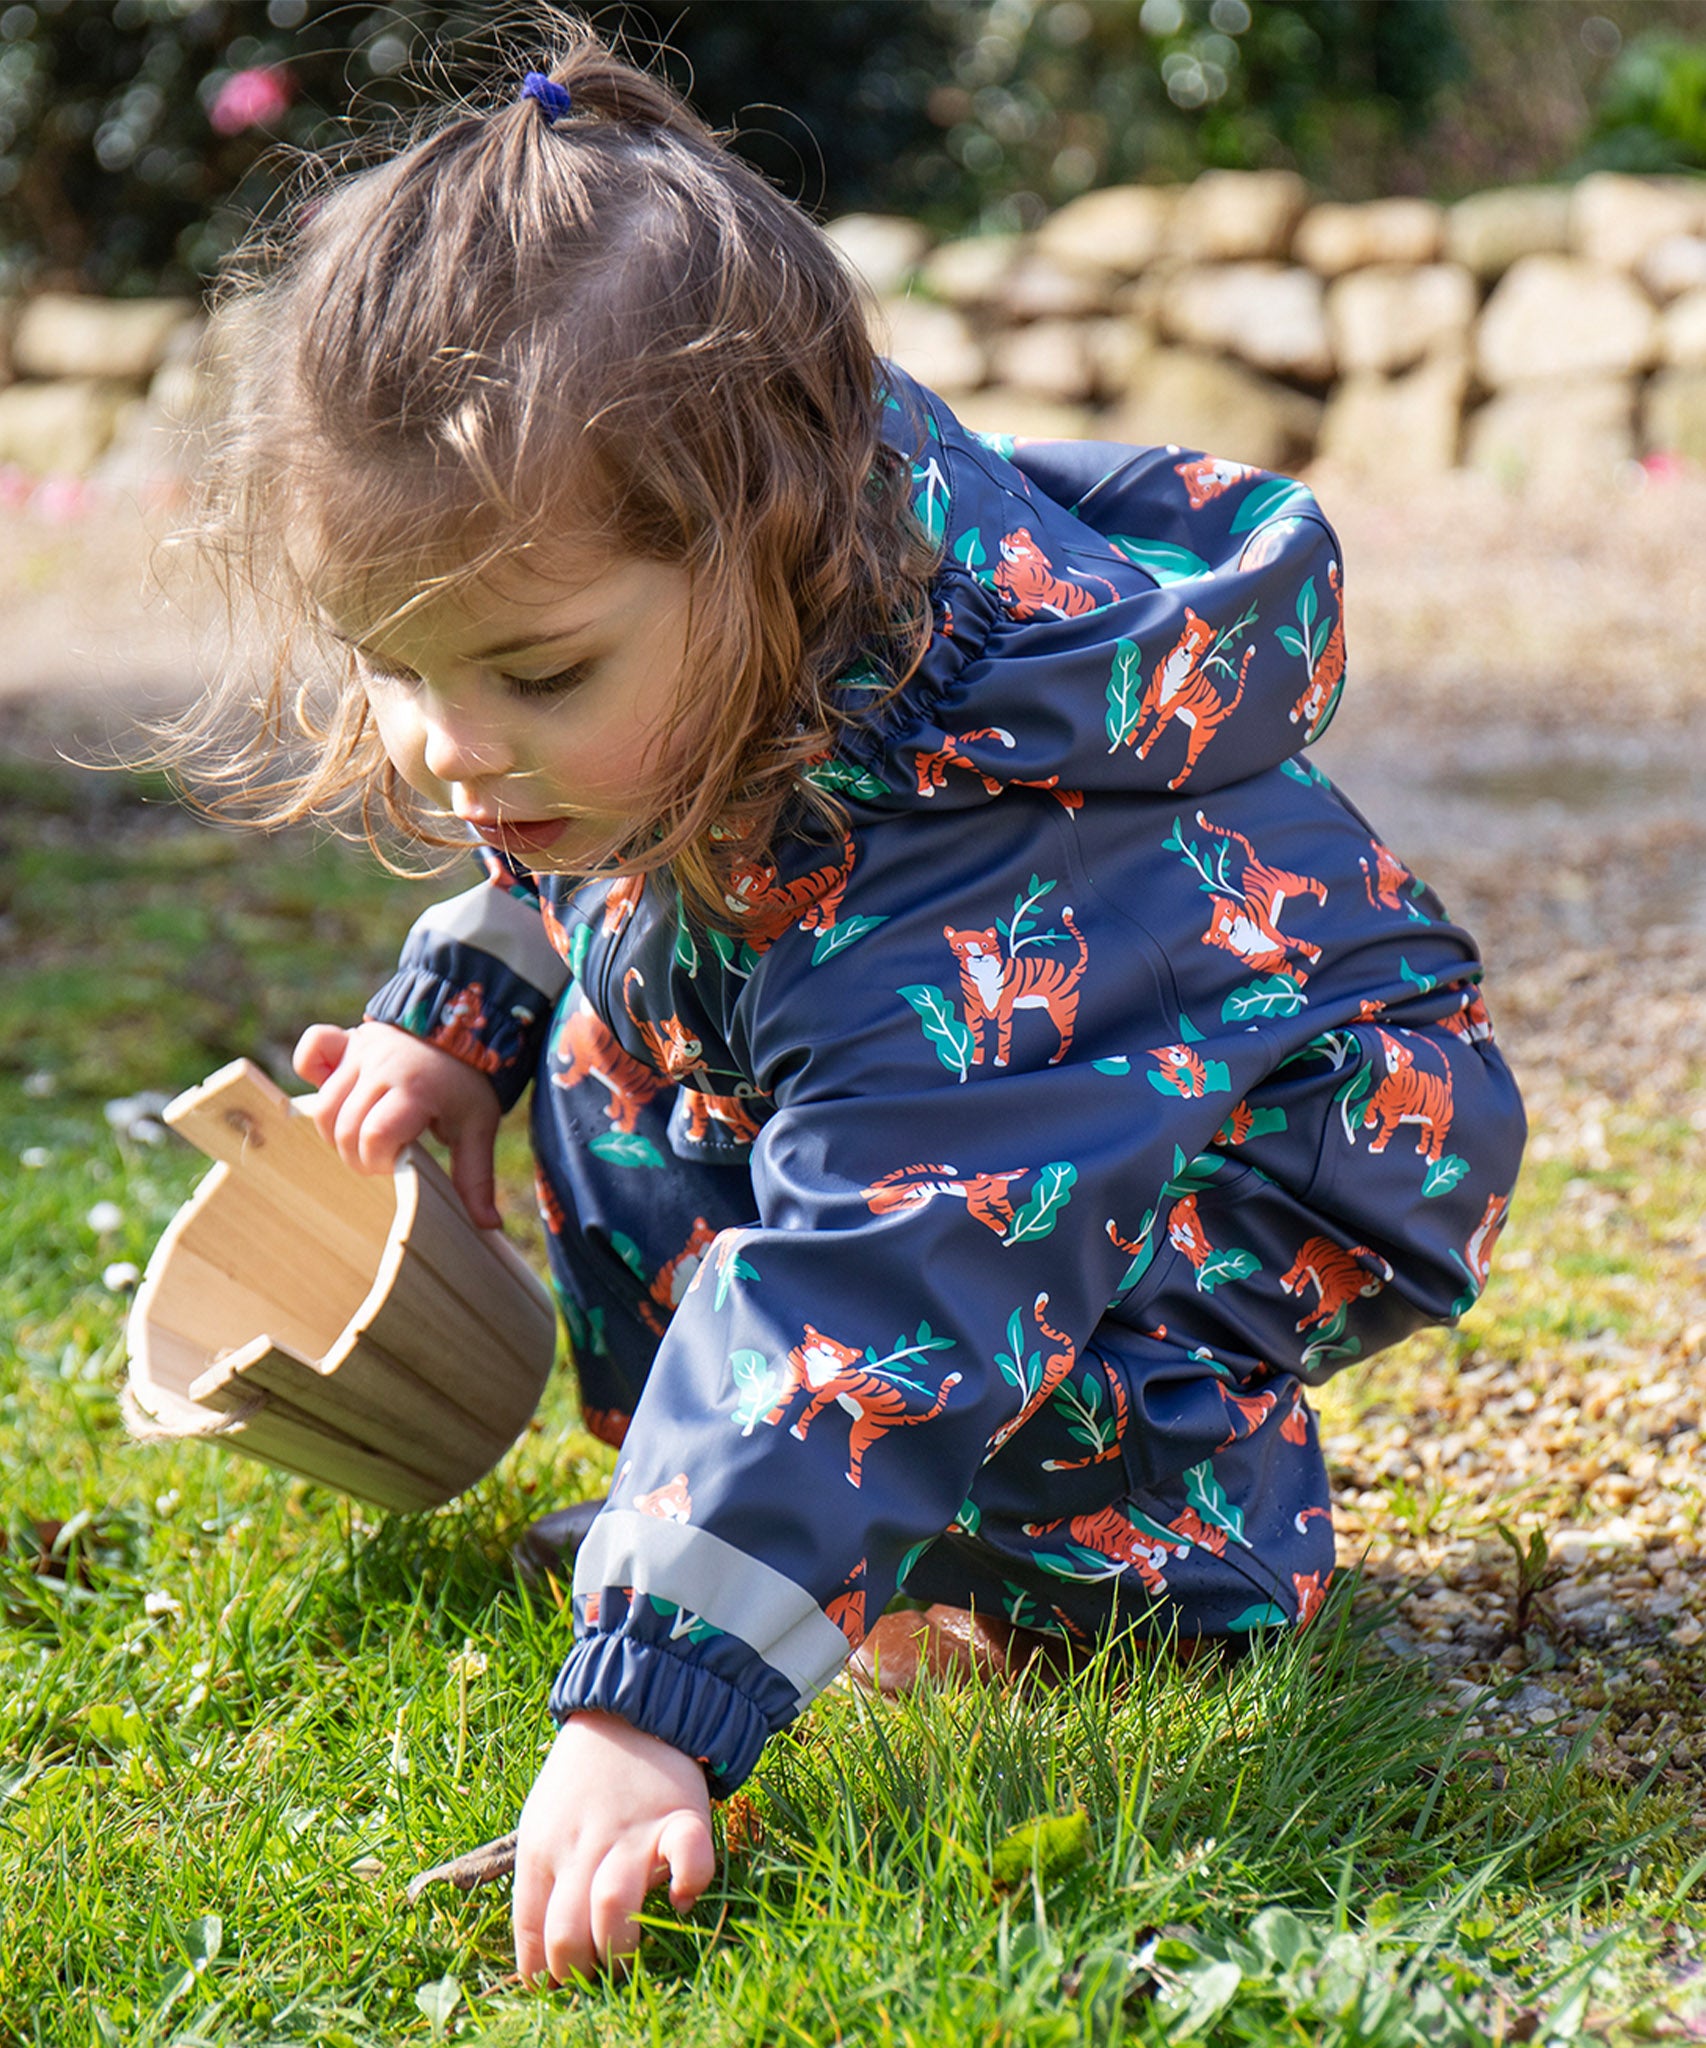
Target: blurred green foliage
column 137, row 136
column 1652, row 112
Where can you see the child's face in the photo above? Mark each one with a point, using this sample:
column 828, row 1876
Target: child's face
column 531, row 705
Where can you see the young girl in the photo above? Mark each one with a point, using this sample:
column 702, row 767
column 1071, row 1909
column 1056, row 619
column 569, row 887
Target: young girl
column 981, row 1072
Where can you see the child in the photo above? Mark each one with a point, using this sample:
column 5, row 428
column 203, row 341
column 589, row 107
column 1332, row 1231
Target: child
column 981, row 1072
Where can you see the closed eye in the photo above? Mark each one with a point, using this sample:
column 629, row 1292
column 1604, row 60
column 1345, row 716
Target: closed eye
column 546, row 686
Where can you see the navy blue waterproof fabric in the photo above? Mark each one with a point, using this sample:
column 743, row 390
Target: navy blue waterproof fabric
column 973, row 1224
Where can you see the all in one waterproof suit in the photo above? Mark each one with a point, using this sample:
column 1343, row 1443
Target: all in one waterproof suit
column 973, row 1224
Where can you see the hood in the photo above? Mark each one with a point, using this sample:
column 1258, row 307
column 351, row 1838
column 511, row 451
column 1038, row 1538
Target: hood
column 1107, row 618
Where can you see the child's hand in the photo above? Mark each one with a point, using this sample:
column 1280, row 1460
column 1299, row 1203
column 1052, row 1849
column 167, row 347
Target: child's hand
column 380, row 1089
column 612, row 1813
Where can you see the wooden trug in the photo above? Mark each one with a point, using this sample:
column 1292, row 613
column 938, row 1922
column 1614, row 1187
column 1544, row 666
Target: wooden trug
column 355, row 1329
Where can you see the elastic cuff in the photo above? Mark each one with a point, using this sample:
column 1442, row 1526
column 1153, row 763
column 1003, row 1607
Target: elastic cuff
column 419, row 1001
column 684, row 1705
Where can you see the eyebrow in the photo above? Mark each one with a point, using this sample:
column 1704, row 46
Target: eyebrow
column 506, row 652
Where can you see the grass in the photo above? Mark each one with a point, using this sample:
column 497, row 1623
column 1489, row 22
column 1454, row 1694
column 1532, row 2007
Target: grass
column 238, row 1714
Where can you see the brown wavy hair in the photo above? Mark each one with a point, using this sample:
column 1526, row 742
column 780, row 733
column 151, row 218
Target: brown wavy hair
column 517, row 328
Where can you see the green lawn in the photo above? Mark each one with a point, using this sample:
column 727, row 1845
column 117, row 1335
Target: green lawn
column 240, row 1714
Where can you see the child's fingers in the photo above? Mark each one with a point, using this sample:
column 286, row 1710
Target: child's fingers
column 473, row 1175
column 617, row 1892
column 318, row 1052
column 684, row 1843
column 532, row 1898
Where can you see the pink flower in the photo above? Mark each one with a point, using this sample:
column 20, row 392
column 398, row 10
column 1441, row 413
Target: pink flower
column 250, row 99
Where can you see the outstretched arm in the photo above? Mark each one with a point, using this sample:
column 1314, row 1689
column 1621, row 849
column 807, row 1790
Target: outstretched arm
column 380, row 1088
column 612, row 1813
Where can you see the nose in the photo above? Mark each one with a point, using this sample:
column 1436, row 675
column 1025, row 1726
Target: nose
column 462, row 745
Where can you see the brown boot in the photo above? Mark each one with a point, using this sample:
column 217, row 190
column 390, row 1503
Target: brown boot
column 946, row 1645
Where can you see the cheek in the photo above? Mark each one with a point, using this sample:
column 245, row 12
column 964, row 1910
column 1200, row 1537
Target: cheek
column 402, row 736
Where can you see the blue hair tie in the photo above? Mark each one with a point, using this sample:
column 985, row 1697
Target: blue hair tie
column 552, row 97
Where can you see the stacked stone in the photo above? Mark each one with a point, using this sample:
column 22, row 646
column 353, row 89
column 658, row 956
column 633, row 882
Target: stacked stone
column 1540, row 333
column 88, row 384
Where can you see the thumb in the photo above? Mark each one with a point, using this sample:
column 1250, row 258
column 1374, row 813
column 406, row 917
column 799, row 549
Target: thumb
column 684, row 1843
column 472, row 1176
column 318, row 1052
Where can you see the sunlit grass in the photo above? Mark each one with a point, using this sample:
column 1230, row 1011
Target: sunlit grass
column 238, row 1714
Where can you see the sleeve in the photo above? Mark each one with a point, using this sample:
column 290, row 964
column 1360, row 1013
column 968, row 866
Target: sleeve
column 930, row 1257
column 478, row 978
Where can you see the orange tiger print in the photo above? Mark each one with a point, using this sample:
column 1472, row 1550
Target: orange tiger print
column 456, row 1031
column 590, row 1051
column 766, row 909
column 1240, row 1122
column 673, row 1278
column 1121, row 1416
column 933, row 768
column 1339, row 1274
column 994, row 985
column 1027, row 585
column 1472, row 1022
column 1254, row 1409
column 1190, row 1528
column 1186, row 1234
column 1478, row 1252
column 829, row 1371
column 727, row 1244
column 1247, row 925
column 1311, row 1590
column 671, row 1503
column 549, row 1207
column 704, row 1110
column 675, row 1051
column 1182, row 1069
column 1115, row 1536
column 1207, row 476
column 984, row 1194
column 1329, row 672
column 1408, row 1094
column 1295, row 1427
column 1055, row 1368
column 1181, row 688
column 621, row 900
column 847, row 1608
column 1386, row 879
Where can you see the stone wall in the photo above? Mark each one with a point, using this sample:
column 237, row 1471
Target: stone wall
column 1540, row 333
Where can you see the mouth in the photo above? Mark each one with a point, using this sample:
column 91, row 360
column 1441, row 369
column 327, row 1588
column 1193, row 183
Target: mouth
column 519, row 835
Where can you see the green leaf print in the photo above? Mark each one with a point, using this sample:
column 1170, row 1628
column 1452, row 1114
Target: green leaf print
column 1020, row 1372
column 1305, row 772
column 969, row 550
column 1042, row 1211
column 848, row 932
column 629, row 1253
column 735, row 954
column 1089, row 1568
column 1274, row 995
column 911, row 1558
column 1188, row 1032
column 684, row 1625
column 1266, row 1615
column 625, row 1148
column 1125, row 694
column 759, row 1383
column 1189, row 1175
column 969, row 1519
column 841, row 778
column 950, row 1038
column 1444, row 1174
column 686, row 952
column 1160, row 558
column 930, row 502
column 1265, row 501
column 1323, row 1358
column 1118, row 1065
column 1206, row 1494
column 1221, row 1266
column 1423, row 983
column 1350, row 1096
column 728, row 1272
column 997, row 444
column 580, row 942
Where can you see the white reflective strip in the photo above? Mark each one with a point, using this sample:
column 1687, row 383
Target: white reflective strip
column 708, row 1577
column 502, row 925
